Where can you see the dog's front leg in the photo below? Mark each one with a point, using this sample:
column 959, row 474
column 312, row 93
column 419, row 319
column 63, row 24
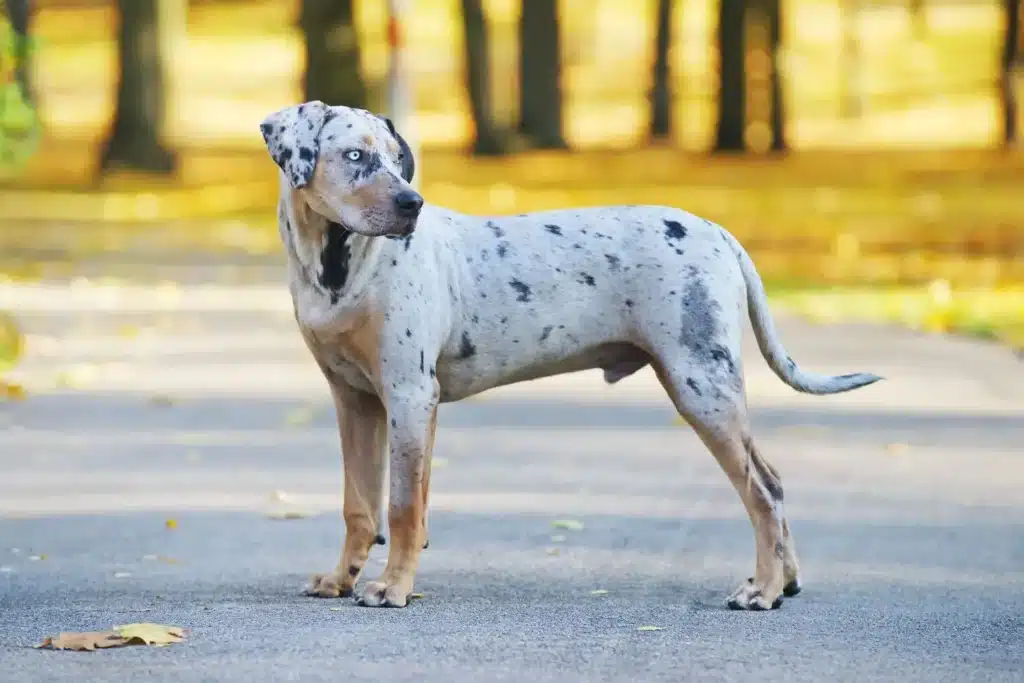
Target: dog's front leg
column 363, row 426
column 412, row 421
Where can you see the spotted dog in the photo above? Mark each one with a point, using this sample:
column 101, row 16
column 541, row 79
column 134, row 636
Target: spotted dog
column 406, row 305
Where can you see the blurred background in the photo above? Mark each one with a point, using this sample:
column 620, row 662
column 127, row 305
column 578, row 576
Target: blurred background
column 865, row 151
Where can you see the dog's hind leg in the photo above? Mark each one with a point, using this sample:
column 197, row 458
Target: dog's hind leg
column 712, row 401
column 363, row 427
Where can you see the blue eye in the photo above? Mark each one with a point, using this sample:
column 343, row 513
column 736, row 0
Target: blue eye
column 353, row 155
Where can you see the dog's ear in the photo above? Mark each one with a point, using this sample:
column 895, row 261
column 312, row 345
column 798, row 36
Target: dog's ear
column 292, row 136
column 408, row 162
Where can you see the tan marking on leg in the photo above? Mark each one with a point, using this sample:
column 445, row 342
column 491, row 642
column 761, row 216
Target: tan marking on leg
column 726, row 434
column 406, row 519
column 363, row 428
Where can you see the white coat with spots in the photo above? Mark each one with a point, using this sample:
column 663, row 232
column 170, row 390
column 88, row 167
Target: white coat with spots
column 405, row 305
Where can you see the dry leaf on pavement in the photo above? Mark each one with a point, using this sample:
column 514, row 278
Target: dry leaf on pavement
column 568, row 524
column 150, row 634
column 156, row 635
column 82, row 641
column 11, row 392
column 650, row 628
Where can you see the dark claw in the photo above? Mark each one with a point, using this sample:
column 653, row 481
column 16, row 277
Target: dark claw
column 792, row 588
column 426, row 544
column 379, row 539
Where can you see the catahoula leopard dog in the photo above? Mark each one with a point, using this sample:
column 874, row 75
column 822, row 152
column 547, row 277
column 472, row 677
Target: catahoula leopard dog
column 406, row 305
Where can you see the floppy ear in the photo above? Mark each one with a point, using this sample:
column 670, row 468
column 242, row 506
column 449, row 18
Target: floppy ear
column 408, row 162
column 292, row 136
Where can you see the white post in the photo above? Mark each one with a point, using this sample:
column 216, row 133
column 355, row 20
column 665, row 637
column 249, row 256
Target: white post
column 401, row 105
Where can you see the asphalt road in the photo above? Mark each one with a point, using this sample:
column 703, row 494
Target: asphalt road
column 199, row 405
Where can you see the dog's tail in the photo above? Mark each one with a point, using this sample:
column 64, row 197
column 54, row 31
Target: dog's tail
column 771, row 346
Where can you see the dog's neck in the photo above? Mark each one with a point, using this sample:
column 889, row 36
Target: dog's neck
column 326, row 262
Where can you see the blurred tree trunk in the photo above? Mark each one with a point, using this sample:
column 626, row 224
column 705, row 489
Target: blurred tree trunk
column 19, row 12
column 540, row 72
column 851, row 97
column 1011, row 58
column 732, row 86
column 918, row 18
column 773, row 9
column 478, row 80
column 134, row 140
column 661, row 88
column 333, row 72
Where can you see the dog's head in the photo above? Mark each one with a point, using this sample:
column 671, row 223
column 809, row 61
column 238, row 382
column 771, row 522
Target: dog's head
column 349, row 165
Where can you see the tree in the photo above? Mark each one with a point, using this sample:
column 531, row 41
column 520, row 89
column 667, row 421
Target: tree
column 134, row 140
column 488, row 140
column 661, row 88
column 732, row 88
column 19, row 12
column 540, row 72
column 773, row 9
column 1011, row 57
column 333, row 72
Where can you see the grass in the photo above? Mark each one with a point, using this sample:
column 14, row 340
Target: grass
column 994, row 314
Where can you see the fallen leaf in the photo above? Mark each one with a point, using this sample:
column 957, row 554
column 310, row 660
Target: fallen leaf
column 897, row 449
column 150, row 634
column 558, row 538
column 87, row 641
column 128, row 331
column 416, row 596
column 299, row 417
column 336, row 609
column 568, row 524
column 599, row 591
column 289, row 514
column 161, row 401
column 171, row 524
column 12, row 342
column 37, row 558
column 650, row 628
column 11, row 391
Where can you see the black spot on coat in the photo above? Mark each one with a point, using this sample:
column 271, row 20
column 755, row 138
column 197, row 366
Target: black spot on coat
column 466, row 347
column 334, row 260
column 523, row 291
column 586, row 279
column 554, row 229
column 674, row 230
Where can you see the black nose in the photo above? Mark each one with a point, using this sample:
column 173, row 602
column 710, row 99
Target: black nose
column 408, row 204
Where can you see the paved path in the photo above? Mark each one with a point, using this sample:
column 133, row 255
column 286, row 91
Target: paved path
column 197, row 405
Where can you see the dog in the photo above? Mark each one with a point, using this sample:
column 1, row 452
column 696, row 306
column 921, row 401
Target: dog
column 405, row 305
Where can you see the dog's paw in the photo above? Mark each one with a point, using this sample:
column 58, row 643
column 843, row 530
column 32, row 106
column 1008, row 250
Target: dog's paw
column 753, row 598
column 384, row 594
column 328, row 586
column 792, row 588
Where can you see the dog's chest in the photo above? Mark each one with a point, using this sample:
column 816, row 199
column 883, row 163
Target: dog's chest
column 350, row 357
